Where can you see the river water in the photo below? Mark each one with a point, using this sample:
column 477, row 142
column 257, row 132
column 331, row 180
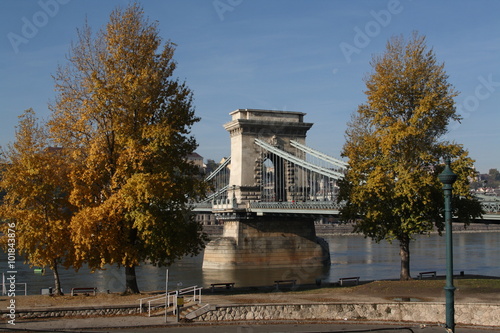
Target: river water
column 351, row 255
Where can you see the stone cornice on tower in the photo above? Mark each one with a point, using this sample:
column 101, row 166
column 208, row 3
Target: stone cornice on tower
column 267, row 123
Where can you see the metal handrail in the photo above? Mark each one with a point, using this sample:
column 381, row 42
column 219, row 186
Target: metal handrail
column 195, row 290
column 170, row 298
column 150, row 299
column 4, row 288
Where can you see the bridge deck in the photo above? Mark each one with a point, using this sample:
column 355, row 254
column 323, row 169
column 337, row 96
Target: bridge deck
column 324, row 208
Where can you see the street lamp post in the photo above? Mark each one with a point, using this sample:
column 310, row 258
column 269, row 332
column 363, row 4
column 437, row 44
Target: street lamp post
column 448, row 177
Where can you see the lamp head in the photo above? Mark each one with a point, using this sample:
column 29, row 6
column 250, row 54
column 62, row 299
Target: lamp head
column 447, row 176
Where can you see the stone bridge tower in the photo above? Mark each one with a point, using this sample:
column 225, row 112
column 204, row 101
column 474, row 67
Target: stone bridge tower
column 275, row 127
column 267, row 241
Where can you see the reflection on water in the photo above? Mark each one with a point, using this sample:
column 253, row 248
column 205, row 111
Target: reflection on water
column 474, row 253
column 265, row 277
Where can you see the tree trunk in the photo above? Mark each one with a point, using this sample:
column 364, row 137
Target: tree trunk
column 57, row 281
column 404, row 253
column 131, row 286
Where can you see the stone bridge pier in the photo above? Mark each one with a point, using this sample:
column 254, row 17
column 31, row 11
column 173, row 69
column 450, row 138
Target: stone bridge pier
column 271, row 240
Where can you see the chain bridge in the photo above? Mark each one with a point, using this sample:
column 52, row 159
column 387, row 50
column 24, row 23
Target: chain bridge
column 270, row 191
column 284, row 182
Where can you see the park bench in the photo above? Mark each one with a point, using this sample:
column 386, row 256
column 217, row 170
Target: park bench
column 353, row 278
column 278, row 282
column 429, row 274
column 75, row 291
column 228, row 285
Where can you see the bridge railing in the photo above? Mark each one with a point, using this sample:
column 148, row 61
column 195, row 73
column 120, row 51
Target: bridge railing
column 491, row 207
column 311, row 205
column 224, row 204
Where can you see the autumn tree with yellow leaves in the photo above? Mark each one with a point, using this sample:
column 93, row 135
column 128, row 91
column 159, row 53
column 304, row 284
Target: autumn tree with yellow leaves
column 127, row 123
column 395, row 148
column 36, row 201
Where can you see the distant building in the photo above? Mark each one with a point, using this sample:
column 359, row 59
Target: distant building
column 196, row 159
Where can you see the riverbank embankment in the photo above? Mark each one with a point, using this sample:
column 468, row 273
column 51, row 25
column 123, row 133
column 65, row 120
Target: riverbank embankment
column 418, row 301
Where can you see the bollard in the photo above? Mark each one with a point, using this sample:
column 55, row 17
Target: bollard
column 180, row 304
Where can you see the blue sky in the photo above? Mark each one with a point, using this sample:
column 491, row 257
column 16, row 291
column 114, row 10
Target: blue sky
column 303, row 55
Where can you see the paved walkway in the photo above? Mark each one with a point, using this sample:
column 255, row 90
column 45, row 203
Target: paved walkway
column 157, row 324
column 59, row 324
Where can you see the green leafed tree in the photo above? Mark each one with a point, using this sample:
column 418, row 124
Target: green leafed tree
column 36, row 186
column 395, row 145
column 127, row 122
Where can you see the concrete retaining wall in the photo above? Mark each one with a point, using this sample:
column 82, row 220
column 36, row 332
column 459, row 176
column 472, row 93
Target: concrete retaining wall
column 465, row 314
column 478, row 314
